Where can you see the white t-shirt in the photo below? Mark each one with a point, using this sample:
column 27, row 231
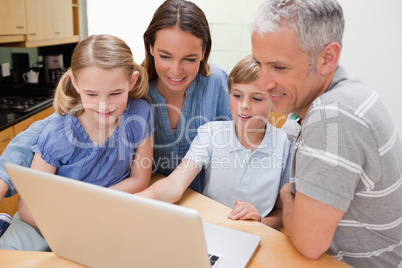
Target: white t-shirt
column 234, row 172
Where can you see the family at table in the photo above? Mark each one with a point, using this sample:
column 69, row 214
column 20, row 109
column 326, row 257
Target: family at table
column 331, row 176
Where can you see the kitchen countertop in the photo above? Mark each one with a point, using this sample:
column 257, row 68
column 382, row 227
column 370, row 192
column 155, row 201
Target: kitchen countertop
column 9, row 118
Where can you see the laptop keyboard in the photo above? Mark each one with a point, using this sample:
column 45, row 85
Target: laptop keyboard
column 214, row 259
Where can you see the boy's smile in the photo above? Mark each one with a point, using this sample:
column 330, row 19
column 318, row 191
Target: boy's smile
column 250, row 108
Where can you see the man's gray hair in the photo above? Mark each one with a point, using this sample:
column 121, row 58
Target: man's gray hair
column 317, row 22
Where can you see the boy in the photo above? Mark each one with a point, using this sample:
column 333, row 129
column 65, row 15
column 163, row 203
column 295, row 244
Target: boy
column 246, row 160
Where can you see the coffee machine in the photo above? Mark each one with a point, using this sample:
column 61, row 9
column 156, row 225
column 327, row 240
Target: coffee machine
column 54, row 68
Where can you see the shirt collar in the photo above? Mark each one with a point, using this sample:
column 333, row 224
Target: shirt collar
column 264, row 147
column 339, row 75
column 292, row 127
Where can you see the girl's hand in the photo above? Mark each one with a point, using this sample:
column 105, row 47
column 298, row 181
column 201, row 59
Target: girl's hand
column 244, row 211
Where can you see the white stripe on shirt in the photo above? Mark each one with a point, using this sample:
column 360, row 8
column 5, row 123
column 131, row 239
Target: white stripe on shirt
column 342, row 254
column 342, row 111
column 381, row 193
column 377, row 227
column 388, row 146
column 365, row 106
column 334, row 160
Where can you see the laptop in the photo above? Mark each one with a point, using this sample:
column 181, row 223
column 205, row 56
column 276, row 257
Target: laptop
column 100, row 227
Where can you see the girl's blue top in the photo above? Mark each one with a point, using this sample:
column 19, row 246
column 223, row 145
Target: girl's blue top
column 65, row 145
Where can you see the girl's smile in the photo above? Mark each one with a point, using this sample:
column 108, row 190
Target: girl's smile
column 104, row 95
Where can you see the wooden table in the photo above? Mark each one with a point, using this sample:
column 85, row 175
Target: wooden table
column 275, row 249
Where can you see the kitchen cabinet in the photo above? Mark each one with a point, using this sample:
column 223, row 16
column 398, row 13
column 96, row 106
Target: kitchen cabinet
column 12, row 20
column 39, row 19
column 47, row 22
column 48, row 19
column 63, row 18
column 9, row 205
column 12, row 17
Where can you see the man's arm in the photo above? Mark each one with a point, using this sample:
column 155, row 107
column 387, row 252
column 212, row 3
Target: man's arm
column 274, row 218
column 310, row 224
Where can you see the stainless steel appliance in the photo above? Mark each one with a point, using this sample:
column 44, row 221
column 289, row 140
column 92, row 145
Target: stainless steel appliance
column 54, row 68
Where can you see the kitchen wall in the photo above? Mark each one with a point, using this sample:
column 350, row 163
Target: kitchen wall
column 5, row 54
column 125, row 19
column 372, row 40
column 372, row 48
column 229, row 23
column 36, row 58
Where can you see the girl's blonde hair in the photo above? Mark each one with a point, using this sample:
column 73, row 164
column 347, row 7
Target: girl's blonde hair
column 103, row 51
column 245, row 72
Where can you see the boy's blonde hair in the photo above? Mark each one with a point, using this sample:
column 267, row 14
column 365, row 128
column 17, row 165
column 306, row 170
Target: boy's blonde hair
column 103, row 51
column 245, row 72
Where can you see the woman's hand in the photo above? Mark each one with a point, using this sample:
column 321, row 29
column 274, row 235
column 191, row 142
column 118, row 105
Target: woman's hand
column 244, row 211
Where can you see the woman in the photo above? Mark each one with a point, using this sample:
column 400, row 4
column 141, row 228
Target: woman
column 185, row 90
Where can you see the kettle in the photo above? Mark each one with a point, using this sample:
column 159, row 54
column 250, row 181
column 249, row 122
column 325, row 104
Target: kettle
column 31, row 77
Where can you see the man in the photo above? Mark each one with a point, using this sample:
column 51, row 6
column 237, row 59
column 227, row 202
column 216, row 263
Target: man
column 344, row 196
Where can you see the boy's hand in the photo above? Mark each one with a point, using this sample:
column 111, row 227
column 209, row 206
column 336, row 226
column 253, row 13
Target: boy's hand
column 244, row 211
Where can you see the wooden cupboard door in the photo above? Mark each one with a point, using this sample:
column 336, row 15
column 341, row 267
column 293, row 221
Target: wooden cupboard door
column 63, row 18
column 12, row 17
column 39, row 19
column 5, row 137
column 9, row 205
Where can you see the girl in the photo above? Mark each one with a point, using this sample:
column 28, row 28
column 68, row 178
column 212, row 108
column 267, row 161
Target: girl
column 246, row 160
column 185, row 91
column 103, row 135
